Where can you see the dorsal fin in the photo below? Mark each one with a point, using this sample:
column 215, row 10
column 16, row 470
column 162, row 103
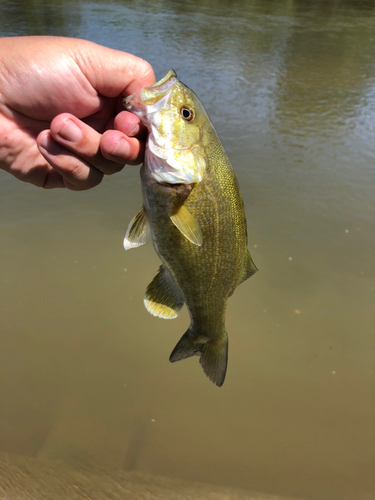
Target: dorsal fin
column 188, row 225
column 137, row 233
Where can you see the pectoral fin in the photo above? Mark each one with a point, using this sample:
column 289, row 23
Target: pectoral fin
column 188, row 225
column 163, row 298
column 248, row 270
column 137, row 233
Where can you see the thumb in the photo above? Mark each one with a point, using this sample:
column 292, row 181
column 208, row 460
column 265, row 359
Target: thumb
column 113, row 72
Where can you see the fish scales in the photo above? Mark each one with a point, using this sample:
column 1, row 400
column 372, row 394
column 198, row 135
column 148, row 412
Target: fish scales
column 196, row 220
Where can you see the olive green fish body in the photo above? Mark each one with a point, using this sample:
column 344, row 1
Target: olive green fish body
column 198, row 229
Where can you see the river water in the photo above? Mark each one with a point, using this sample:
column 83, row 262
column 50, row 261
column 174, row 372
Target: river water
column 84, row 371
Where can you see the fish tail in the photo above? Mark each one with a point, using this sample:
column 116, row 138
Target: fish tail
column 214, row 359
column 213, row 354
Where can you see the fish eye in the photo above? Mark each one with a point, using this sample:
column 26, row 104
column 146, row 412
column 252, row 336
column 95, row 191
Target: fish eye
column 187, row 113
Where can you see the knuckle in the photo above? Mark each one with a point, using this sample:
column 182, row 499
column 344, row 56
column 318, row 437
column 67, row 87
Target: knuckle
column 33, row 175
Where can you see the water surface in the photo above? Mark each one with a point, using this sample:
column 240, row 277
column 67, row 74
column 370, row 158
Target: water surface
column 84, row 371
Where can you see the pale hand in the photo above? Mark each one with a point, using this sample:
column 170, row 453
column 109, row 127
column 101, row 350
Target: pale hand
column 62, row 123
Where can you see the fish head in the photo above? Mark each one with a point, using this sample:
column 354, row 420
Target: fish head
column 176, row 121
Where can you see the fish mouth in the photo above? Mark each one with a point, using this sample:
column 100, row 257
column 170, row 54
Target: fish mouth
column 146, row 100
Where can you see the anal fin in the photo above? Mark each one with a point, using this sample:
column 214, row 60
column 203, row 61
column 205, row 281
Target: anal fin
column 188, row 225
column 163, row 298
column 137, row 233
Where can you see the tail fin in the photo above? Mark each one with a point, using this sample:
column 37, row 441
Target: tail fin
column 213, row 354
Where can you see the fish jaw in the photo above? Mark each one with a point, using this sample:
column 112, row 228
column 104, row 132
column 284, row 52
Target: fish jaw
column 149, row 100
column 172, row 157
column 167, row 167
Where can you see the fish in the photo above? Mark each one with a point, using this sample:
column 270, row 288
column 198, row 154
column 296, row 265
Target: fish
column 194, row 214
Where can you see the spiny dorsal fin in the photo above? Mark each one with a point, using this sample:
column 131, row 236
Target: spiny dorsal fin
column 163, row 298
column 248, row 270
column 137, row 233
column 188, row 225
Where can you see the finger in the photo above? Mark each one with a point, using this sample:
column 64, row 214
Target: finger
column 53, row 179
column 122, row 149
column 84, row 142
column 126, row 144
column 77, row 174
column 130, row 125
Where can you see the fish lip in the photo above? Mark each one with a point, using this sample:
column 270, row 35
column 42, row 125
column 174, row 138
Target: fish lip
column 140, row 102
column 131, row 103
column 171, row 74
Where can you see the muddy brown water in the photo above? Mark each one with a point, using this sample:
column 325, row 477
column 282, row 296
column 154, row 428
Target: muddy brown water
column 84, row 371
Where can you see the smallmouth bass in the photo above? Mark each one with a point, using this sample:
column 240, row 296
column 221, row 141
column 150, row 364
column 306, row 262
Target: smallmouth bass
column 193, row 212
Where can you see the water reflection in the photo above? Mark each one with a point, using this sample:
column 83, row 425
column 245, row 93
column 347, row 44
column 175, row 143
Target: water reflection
column 39, row 17
column 84, row 368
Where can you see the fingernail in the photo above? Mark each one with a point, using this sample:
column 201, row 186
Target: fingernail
column 122, row 149
column 44, row 141
column 50, row 147
column 70, row 132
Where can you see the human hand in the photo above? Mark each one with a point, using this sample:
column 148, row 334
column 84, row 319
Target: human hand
column 62, row 123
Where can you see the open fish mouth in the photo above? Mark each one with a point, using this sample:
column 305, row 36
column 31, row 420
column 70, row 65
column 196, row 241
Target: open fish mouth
column 173, row 155
column 147, row 100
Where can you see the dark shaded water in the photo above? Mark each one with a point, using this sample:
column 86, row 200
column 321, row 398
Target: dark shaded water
column 84, row 371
